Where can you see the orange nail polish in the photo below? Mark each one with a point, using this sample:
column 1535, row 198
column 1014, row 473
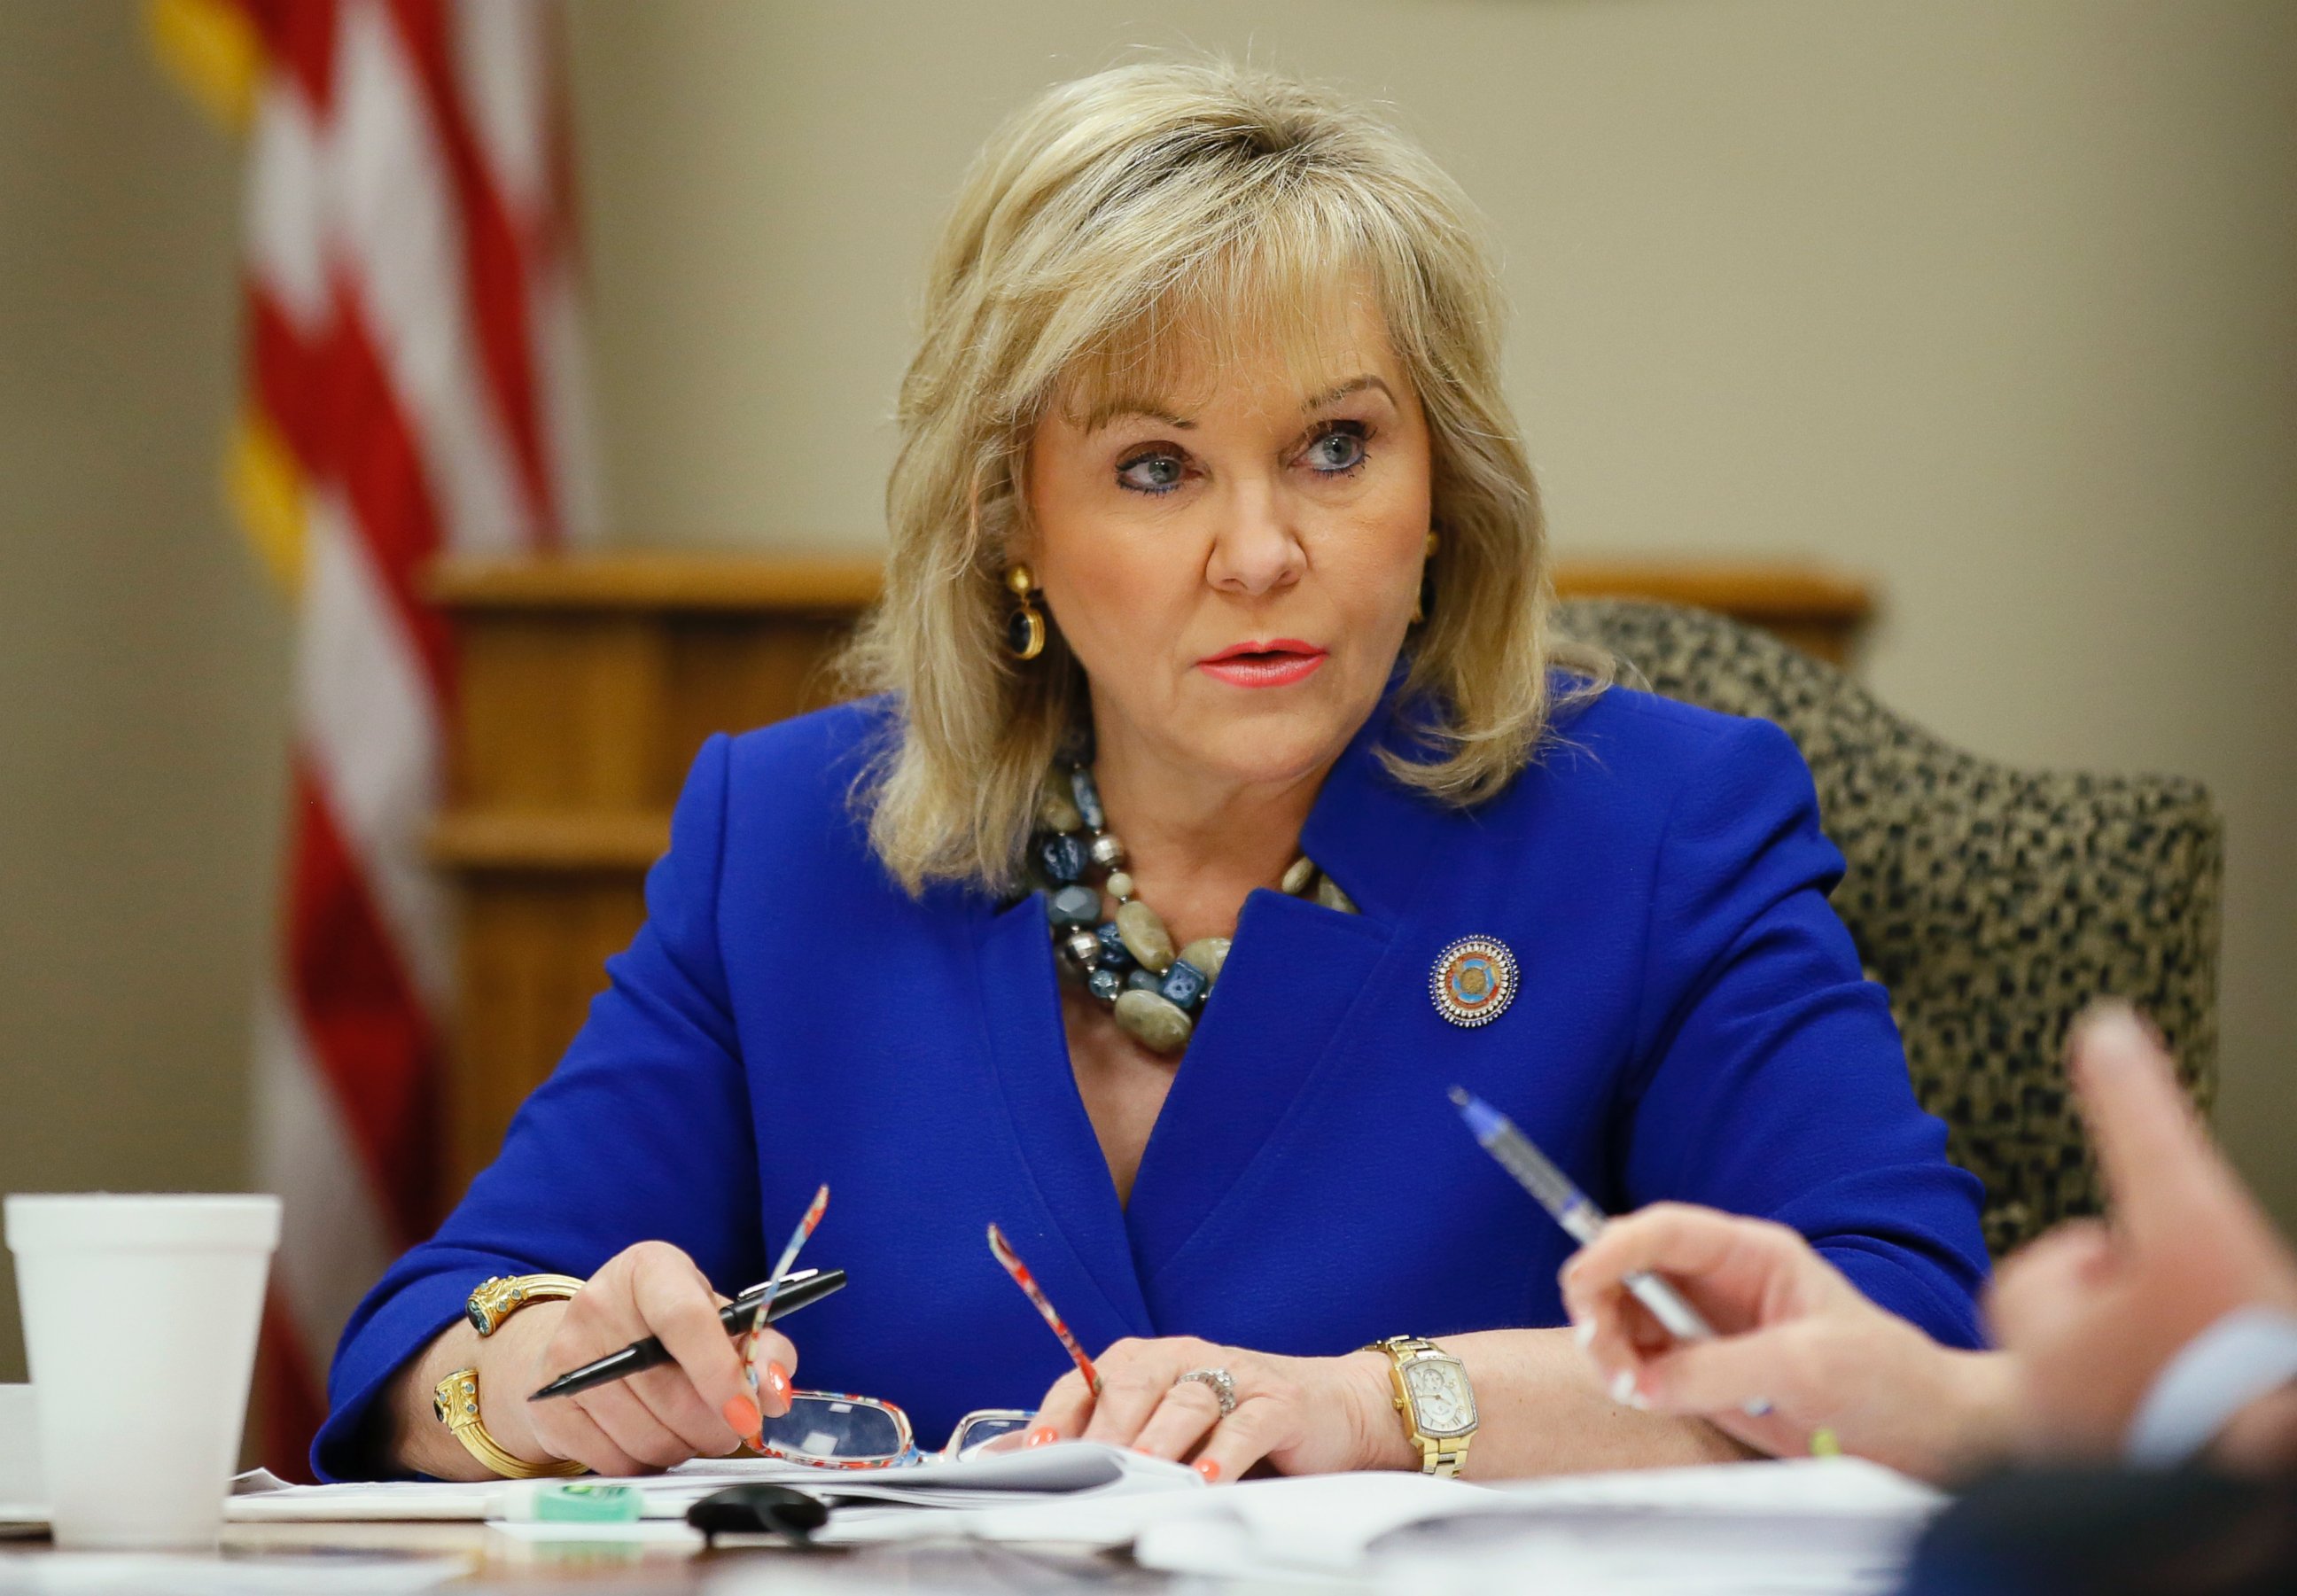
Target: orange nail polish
column 1044, row 1435
column 777, row 1381
column 741, row 1416
column 1210, row 1468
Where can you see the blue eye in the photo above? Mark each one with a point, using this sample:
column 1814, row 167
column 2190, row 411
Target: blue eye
column 1339, row 450
column 1151, row 473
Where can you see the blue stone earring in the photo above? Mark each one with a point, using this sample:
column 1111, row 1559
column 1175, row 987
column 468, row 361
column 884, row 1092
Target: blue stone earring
column 1025, row 628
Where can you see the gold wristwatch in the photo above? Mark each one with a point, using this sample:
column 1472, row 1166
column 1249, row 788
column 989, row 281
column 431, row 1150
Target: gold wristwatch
column 454, row 1400
column 1438, row 1403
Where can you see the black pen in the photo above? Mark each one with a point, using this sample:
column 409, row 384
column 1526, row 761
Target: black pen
column 806, row 1285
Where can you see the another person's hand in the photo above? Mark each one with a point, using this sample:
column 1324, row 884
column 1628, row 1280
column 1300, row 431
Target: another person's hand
column 699, row 1406
column 1299, row 1415
column 2096, row 1311
column 1792, row 1333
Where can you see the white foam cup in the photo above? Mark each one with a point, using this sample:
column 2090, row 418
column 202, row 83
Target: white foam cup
column 140, row 1315
column 19, row 1452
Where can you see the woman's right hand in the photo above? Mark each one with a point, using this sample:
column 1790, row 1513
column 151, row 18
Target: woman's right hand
column 700, row 1406
column 1792, row 1333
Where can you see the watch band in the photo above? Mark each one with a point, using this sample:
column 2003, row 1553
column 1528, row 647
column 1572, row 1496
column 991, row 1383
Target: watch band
column 1443, row 1456
column 456, row 1402
column 494, row 1299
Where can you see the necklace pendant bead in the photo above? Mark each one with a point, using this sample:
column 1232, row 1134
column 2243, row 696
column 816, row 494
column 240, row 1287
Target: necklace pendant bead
column 1144, row 933
column 1154, row 1022
column 1074, row 906
column 1105, row 984
column 1088, row 798
column 1138, row 980
column 1114, row 954
column 1184, row 985
column 1299, row 875
column 1208, row 954
column 1057, row 813
column 1082, row 949
column 1119, row 885
column 1329, row 894
column 1061, row 856
column 1109, row 850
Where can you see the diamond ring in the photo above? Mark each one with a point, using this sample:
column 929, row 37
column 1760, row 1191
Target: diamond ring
column 1222, row 1384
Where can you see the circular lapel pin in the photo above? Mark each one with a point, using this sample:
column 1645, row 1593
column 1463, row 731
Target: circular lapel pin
column 1473, row 982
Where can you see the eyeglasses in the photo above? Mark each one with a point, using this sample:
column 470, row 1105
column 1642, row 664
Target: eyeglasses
column 831, row 1430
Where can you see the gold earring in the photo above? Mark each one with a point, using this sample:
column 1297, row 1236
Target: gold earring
column 1025, row 628
column 1420, row 602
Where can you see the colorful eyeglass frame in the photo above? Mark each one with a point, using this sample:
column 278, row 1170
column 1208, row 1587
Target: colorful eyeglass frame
column 829, row 1429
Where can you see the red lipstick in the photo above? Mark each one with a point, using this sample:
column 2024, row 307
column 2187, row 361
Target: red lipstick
column 1277, row 662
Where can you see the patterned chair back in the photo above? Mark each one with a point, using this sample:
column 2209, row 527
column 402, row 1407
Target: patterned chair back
column 1991, row 904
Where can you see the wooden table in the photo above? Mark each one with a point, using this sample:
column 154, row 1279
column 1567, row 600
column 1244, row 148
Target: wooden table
column 603, row 1568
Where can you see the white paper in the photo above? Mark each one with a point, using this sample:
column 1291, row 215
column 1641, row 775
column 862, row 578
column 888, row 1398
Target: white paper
column 1837, row 1525
column 994, row 1480
column 1804, row 1528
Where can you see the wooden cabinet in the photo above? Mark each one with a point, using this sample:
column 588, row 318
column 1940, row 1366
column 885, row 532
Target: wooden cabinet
column 587, row 684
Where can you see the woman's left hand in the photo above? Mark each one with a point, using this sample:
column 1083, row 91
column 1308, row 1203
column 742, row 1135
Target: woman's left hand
column 1299, row 1415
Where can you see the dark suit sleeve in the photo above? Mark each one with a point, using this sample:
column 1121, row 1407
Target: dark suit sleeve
column 643, row 1132
column 1772, row 1081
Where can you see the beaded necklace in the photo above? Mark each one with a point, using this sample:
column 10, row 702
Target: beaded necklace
column 1127, row 962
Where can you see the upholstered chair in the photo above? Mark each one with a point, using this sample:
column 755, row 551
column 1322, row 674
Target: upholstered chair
column 1991, row 902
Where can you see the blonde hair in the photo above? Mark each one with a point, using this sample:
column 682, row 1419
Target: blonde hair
column 1114, row 219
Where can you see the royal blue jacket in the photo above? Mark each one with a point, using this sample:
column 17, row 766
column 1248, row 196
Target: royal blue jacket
column 1691, row 1025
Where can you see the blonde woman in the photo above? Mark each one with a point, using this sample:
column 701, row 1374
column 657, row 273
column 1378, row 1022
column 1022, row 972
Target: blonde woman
column 1220, row 798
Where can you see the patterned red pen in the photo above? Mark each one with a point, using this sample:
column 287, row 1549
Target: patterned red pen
column 774, row 1283
column 1028, row 1282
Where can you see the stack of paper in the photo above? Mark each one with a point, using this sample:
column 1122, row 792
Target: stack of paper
column 1837, row 1525
column 1077, row 1470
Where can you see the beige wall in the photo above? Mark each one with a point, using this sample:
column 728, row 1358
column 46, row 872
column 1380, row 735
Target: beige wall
column 1992, row 302
column 141, row 665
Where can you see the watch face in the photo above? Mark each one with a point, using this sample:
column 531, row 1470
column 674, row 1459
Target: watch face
column 1441, row 1400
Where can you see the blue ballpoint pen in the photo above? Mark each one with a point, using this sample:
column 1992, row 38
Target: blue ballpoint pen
column 1571, row 1209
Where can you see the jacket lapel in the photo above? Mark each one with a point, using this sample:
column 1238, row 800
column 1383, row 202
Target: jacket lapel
column 1078, row 1232
column 1296, row 973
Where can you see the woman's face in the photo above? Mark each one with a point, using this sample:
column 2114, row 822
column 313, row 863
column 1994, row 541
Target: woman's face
column 1234, row 561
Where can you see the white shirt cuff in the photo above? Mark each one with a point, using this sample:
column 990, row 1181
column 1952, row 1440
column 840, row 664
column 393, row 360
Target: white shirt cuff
column 2245, row 1354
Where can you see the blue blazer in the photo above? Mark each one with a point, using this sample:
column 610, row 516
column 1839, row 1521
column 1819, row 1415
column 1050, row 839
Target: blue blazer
column 1691, row 1025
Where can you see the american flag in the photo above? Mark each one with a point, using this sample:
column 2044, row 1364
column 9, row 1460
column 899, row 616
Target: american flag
column 414, row 387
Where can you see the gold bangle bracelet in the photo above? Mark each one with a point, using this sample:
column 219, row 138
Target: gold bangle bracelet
column 496, row 1299
column 456, row 1402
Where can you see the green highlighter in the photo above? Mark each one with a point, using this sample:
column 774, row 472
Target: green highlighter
column 579, row 1502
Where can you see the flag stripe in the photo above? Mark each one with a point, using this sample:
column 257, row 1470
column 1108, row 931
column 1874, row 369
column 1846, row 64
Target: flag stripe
column 331, row 1228
column 368, row 1034
column 370, row 728
column 493, row 259
column 375, row 459
column 413, row 375
column 401, row 224
column 286, row 188
column 300, row 37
